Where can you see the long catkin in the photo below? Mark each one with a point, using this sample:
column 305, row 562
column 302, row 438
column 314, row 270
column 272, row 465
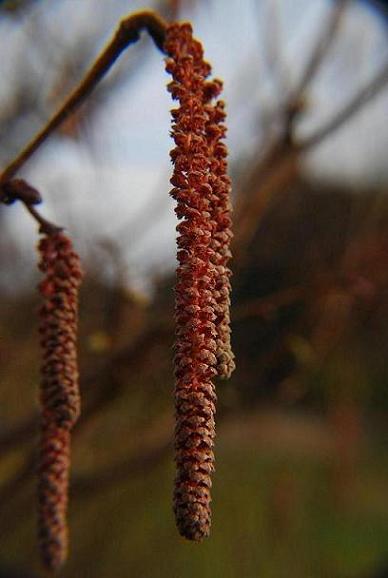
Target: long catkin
column 59, row 392
column 202, row 285
column 222, row 222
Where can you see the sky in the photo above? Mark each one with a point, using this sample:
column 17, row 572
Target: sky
column 113, row 177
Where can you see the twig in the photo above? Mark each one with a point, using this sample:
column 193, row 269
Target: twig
column 19, row 190
column 45, row 226
column 127, row 33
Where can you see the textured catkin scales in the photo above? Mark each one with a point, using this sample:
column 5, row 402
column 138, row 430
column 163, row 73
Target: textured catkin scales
column 53, row 481
column 202, row 287
column 59, row 393
column 222, row 234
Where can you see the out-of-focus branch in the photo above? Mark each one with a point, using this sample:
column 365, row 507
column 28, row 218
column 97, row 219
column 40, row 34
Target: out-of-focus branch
column 294, row 100
column 323, row 45
column 111, row 387
column 133, row 355
column 115, row 473
column 363, row 97
column 280, row 166
column 273, row 174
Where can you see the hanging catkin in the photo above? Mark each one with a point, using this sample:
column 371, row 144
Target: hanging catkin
column 202, row 293
column 53, row 481
column 221, row 216
column 59, row 394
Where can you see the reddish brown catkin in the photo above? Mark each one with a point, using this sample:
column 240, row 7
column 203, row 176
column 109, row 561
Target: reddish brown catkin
column 59, row 395
column 198, row 281
column 53, row 481
column 222, row 234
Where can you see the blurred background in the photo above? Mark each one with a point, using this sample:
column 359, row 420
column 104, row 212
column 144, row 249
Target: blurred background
column 302, row 464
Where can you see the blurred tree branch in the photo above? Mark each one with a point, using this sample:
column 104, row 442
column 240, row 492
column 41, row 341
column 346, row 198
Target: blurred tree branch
column 324, row 43
column 359, row 100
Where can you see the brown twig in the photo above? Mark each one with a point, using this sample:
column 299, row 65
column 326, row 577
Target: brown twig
column 45, row 226
column 20, row 190
column 127, row 33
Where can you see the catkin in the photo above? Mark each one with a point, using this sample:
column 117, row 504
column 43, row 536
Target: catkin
column 59, row 392
column 199, row 309
column 222, row 234
column 53, row 481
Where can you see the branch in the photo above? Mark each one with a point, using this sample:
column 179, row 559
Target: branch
column 127, row 33
column 294, row 103
column 321, row 49
column 365, row 95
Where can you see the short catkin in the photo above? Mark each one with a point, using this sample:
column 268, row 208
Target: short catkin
column 59, row 393
column 202, row 349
